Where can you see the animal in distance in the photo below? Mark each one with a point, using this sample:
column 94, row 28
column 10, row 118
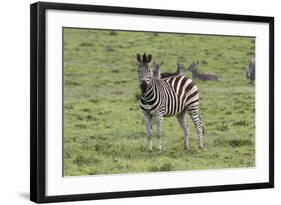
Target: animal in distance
column 251, row 69
column 157, row 74
column 193, row 68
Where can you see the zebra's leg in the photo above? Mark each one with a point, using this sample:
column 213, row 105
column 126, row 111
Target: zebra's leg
column 159, row 131
column 183, row 123
column 148, row 123
column 194, row 113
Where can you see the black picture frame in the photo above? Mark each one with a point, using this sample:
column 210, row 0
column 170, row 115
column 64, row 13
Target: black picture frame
column 38, row 101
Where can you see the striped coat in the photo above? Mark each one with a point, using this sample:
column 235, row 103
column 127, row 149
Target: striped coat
column 172, row 96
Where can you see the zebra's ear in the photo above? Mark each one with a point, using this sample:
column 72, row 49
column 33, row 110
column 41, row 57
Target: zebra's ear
column 144, row 58
column 149, row 58
column 138, row 57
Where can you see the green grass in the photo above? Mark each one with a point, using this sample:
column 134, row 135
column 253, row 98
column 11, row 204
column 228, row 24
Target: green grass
column 104, row 130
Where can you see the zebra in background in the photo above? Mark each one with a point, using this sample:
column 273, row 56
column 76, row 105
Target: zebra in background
column 251, row 69
column 156, row 71
column 167, row 97
column 193, row 68
column 157, row 74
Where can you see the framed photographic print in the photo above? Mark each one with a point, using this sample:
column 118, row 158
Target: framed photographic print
column 129, row 102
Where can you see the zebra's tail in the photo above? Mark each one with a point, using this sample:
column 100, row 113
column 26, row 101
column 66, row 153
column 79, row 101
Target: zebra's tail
column 203, row 128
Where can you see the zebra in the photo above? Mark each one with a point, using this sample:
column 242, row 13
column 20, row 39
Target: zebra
column 173, row 96
column 251, row 69
column 156, row 71
column 193, row 68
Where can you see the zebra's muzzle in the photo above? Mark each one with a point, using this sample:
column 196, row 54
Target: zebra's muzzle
column 143, row 82
column 143, row 86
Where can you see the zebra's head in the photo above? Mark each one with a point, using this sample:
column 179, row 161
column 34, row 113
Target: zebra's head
column 145, row 74
column 193, row 67
column 181, row 69
column 156, row 71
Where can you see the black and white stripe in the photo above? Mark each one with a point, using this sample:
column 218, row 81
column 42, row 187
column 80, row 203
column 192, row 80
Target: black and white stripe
column 173, row 96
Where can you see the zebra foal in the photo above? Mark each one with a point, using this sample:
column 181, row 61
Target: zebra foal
column 173, row 96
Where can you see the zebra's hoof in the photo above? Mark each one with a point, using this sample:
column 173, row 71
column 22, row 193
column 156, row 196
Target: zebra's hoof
column 159, row 151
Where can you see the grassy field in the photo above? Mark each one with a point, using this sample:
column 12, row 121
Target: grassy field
column 104, row 131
